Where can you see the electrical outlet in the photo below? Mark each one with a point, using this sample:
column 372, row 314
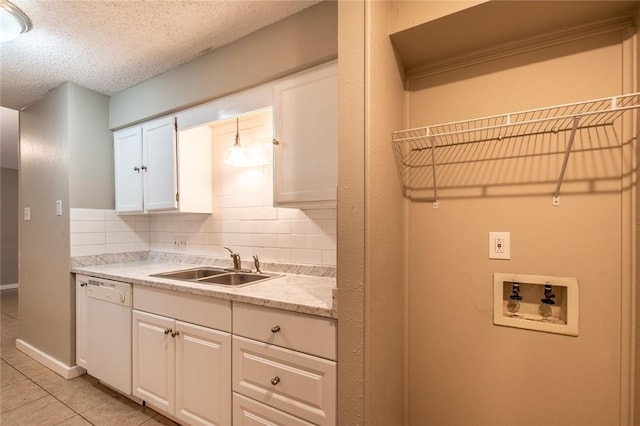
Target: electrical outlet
column 180, row 242
column 499, row 245
column 27, row 213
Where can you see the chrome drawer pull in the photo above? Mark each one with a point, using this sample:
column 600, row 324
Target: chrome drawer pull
column 167, row 330
column 275, row 380
column 275, row 328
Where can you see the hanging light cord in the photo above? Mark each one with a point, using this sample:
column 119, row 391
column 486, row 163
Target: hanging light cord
column 237, row 132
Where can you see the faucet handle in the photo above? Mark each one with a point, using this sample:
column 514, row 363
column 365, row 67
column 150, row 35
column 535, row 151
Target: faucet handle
column 256, row 263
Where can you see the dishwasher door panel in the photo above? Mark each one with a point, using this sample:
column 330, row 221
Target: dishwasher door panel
column 109, row 343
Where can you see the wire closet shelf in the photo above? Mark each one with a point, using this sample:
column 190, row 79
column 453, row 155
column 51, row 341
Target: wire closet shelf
column 417, row 148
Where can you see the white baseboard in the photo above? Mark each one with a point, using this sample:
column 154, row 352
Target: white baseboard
column 60, row 368
column 8, row 286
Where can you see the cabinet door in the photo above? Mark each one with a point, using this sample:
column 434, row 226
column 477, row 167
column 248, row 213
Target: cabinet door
column 159, row 159
column 203, row 375
column 128, row 169
column 81, row 320
column 306, row 130
column 153, row 360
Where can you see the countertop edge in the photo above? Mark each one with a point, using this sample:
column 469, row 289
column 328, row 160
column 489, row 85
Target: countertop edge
column 233, row 295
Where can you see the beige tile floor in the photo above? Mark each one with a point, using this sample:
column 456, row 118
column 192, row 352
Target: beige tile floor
column 33, row 395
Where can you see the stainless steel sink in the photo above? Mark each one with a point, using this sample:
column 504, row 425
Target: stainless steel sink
column 192, row 274
column 211, row 275
column 236, row 278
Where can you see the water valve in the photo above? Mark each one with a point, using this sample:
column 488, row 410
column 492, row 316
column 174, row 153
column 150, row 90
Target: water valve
column 513, row 305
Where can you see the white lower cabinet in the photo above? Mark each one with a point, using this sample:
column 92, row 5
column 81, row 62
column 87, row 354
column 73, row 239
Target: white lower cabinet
column 273, row 379
column 182, row 369
column 207, row 361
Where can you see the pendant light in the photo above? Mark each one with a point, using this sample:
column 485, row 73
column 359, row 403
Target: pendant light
column 237, row 156
column 13, row 21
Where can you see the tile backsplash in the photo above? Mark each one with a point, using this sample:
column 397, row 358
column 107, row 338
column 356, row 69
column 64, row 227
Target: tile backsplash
column 275, row 235
column 243, row 216
column 97, row 231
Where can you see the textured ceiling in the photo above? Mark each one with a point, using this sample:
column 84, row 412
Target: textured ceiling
column 108, row 46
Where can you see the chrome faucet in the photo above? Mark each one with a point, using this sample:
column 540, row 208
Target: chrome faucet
column 237, row 263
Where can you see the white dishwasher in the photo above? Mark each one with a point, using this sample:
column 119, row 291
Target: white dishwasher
column 108, row 332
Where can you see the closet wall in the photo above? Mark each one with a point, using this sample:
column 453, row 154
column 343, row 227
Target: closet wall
column 462, row 368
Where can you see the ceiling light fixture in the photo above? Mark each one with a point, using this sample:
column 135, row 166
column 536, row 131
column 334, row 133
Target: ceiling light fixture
column 13, row 21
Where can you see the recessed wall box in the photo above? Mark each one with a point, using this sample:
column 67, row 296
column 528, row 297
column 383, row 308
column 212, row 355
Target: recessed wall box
column 536, row 302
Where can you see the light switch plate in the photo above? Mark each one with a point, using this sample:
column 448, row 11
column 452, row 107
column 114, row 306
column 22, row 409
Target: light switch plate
column 58, row 207
column 500, row 245
column 27, row 213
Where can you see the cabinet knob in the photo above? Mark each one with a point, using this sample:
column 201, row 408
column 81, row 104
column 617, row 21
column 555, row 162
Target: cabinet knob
column 275, row 380
column 143, row 167
column 167, row 330
column 175, row 333
column 276, row 141
column 83, row 284
column 275, row 328
column 136, row 169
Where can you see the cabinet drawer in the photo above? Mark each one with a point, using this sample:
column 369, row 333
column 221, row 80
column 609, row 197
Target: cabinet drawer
column 300, row 384
column 193, row 308
column 287, row 329
column 247, row 412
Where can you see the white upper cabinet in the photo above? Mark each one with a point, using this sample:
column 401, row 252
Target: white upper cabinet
column 305, row 112
column 128, row 159
column 159, row 165
column 158, row 169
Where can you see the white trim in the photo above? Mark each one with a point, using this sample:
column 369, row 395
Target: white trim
column 8, row 286
column 628, row 233
column 67, row 372
column 517, row 47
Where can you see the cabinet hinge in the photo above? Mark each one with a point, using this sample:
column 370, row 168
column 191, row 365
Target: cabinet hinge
column 177, row 197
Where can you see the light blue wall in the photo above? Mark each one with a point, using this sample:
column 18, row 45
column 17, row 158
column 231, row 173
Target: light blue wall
column 91, row 180
column 65, row 154
column 45, row 303
column 9, row 230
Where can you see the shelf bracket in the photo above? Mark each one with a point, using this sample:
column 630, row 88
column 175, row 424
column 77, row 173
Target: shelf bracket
column 433, row 172
column 565, row 161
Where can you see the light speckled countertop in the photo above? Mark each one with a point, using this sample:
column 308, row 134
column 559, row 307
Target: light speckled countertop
column 298, row 293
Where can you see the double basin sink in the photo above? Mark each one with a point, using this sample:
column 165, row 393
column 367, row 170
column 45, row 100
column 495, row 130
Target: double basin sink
column 212, row 275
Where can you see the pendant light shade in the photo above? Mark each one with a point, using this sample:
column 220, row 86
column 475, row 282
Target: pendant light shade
column 13, row 21
column 237, row 156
